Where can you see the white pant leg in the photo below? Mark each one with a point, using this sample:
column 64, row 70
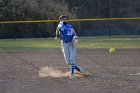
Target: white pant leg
column 72, row 54
column 68, row 52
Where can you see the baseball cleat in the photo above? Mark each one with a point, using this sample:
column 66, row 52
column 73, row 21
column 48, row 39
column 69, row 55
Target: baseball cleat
column 84, row 73
column 71, row 76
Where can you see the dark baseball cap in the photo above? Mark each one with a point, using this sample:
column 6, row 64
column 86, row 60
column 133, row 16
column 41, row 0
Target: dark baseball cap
column 62, row 16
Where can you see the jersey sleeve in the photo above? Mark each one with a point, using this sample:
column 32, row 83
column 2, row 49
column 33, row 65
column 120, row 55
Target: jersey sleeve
column 70, row 26
column 73, row 31
column 58, row 28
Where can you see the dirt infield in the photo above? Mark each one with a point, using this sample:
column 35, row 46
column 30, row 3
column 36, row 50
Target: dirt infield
column 117, row 73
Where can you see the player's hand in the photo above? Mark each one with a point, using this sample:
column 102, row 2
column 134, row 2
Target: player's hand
column 74, row 42
column 55, row 37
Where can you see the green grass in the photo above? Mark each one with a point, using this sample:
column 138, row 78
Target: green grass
column 34, row 44
column 106, row 42
column 40, row 44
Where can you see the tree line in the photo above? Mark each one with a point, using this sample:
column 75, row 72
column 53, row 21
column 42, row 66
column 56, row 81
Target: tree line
column 12, row 10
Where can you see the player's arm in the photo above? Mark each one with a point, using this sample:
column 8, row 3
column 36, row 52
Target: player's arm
column 56, row 33
column 74, row 34
column 75, row 38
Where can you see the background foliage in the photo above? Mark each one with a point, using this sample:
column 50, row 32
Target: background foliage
column 11, row 10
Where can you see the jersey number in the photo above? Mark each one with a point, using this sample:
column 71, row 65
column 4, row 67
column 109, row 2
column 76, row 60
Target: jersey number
column 69, row 33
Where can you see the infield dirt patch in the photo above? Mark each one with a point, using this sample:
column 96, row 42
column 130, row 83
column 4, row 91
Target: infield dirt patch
column 22, row 72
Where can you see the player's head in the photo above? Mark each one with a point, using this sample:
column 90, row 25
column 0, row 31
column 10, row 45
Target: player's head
column 63, row 19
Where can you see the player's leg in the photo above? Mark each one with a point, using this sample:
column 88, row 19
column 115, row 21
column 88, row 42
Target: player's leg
column 66, row 53
column 72, row 71
column 73, row 57
column 72, row 61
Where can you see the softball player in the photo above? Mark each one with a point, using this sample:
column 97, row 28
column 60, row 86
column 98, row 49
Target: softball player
column 68, row 39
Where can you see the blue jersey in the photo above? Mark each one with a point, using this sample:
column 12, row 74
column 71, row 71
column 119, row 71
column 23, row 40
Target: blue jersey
column 66, row 32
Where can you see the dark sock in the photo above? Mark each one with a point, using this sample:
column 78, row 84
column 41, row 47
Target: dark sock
column 77, row 68
column 72, row 69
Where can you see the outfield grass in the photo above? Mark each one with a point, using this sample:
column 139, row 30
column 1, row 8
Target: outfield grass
column 41, row 44
column 106, row 42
